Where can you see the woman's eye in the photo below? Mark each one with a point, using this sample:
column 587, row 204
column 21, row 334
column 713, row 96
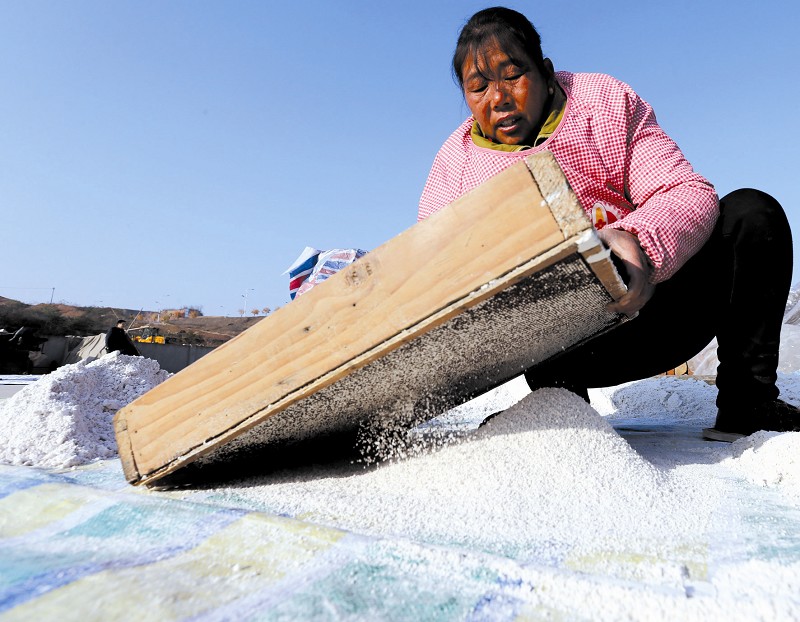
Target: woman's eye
column 477, row 87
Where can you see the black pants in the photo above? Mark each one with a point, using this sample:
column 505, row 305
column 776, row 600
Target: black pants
column 734, row 288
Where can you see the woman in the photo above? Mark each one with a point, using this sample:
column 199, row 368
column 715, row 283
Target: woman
column 696, row 267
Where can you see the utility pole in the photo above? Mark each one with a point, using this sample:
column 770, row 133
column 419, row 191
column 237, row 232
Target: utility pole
column 52, row 294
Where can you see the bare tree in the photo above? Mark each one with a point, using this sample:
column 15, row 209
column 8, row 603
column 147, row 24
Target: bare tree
column 266, row 310
column 241, row 312
column 255, row 311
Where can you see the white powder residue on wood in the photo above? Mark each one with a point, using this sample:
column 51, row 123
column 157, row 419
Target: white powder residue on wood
column 65, row 418
column 547, row 478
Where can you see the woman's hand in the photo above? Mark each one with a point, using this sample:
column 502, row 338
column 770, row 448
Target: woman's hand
column 626, row 246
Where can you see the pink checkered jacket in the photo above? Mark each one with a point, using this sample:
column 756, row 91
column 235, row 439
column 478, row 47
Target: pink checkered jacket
column 625, row 170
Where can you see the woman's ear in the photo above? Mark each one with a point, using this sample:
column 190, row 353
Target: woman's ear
column 550, row 77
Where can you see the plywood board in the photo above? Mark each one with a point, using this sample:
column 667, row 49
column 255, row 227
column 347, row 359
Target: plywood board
column 505, row 277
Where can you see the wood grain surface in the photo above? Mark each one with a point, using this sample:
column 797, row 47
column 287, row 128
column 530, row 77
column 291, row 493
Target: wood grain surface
column 395, row 293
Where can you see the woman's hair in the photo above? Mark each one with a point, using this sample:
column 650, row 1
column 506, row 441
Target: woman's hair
column 510, row 30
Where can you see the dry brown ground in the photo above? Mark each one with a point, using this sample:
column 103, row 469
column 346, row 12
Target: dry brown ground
column 207, row 330
column 204, row 330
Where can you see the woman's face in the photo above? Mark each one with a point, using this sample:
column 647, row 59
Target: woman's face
column 506, row 100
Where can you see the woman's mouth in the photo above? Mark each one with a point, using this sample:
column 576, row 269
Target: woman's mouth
column 507, row 124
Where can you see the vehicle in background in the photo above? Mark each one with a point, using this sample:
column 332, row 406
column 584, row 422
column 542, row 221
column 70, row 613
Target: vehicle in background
column 147, row 334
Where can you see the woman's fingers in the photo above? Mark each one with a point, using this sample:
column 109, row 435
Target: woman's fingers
column 626, row 246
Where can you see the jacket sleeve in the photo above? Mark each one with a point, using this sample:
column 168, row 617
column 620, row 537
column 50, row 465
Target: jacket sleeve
column 675, row 208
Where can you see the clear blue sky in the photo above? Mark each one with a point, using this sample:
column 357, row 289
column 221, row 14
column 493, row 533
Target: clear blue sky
column 161, row 154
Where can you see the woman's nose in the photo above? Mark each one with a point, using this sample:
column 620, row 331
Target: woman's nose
column 499, row 94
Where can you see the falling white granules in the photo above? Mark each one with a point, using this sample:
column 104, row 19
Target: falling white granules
column 547, row 478
column 65, row 418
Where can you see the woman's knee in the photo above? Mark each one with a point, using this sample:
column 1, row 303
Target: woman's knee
column 751, row 207
column 750, row 203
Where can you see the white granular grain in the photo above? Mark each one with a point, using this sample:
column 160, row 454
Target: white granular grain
column 65, row 418
column 768, row 459
column 547, row 478
column 665, row 400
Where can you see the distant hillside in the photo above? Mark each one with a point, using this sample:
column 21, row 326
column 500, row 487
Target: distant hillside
column 203, row 330
column 61, row 319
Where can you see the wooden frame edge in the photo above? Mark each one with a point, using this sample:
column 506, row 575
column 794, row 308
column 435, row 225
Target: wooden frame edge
column 125, row 449
column 425, row 325
column 556, row 191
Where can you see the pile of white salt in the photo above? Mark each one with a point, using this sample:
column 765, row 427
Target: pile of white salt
column 545, row 479
column 769, row 459
column 65, row 418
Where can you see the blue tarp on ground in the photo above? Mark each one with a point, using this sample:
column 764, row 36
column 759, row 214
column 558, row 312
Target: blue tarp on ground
column 83, row 545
